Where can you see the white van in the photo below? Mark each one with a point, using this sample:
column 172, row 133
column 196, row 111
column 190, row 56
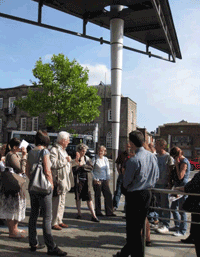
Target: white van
column 75, row 139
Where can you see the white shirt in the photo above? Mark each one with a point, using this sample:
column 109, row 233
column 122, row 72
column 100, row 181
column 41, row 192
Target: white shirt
column 101, row 169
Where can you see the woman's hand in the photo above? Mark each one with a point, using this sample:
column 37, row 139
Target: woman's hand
column 177, row 160
column 77, row 157
column 24, row 151
column 79, row 160
column 96, row 182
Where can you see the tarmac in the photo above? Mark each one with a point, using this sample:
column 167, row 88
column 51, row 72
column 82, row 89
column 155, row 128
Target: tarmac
column 84, row 238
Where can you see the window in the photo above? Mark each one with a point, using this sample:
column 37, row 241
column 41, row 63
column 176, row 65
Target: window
column 23, row 124
column 35, row 124
column 109, row 115
column 11, row 104
column 1, row 103
column 187, row 153
column 109, row 140
column 0, row 125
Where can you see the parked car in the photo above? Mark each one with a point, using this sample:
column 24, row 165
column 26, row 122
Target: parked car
column 194, row 163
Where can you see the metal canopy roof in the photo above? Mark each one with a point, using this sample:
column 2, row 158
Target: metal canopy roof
column 147, row 21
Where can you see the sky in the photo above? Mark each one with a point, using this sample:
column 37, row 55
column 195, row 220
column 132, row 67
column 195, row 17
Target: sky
column 165, row 92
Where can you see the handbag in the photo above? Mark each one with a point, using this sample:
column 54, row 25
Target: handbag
column 192, row 204
column 39, row 183
column 11, row 182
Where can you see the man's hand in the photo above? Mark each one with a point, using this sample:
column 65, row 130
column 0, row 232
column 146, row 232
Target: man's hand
column 69, row 158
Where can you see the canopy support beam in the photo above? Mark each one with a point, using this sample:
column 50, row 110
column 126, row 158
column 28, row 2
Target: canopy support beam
column 101, row 40
column 40, row 4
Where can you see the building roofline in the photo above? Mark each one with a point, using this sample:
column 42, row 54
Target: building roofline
column 17, row 87
column 185, row 123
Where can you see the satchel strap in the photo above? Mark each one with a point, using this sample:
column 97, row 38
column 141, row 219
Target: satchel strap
column 40, row 158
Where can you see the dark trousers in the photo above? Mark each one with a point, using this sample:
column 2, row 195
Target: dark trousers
column 118, row 191
column 105, row 189
column 138, row 203
column 45, row 203
column 195, row 230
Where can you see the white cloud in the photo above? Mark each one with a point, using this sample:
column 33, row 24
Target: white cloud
column 48, row 57
column 97, row 73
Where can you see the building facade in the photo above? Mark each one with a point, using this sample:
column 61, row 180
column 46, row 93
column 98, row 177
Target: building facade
column 12, row 118
column 183, row 134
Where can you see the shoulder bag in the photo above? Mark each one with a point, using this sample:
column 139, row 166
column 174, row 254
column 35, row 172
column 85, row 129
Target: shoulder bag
column 39, row 183
column 11, row 183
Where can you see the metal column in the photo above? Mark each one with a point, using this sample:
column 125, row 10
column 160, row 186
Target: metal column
column 116, row 35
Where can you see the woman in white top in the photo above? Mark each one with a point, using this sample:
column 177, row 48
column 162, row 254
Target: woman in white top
column 101, row 173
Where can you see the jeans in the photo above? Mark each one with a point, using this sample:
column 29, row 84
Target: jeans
column 163, row 202
column 118, row 192
column 45, row 203
column 181, row 226
column 135, row 220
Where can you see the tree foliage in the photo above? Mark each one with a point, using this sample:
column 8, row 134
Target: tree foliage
column 63, row 94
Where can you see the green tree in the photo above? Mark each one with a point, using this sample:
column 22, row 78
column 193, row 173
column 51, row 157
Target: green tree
column 63, row 94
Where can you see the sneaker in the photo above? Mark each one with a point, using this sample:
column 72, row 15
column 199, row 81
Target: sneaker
column 56, row 252
column 154, row 226
column 178, row 233
column 162, row 230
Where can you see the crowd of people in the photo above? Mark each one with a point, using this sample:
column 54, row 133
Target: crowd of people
column 154, row 167
column 63, row 173
column 140, row 167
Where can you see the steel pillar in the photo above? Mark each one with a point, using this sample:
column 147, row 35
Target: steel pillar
column 116, row 40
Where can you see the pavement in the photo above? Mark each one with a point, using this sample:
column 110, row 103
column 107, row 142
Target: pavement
column 84, row 238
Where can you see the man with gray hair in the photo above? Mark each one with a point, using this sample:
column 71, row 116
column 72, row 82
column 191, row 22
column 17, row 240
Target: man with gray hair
column 61, row 171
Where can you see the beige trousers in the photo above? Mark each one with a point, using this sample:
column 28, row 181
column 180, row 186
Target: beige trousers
column 58, row 209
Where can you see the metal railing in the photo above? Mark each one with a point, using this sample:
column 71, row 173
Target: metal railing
column 171, row 192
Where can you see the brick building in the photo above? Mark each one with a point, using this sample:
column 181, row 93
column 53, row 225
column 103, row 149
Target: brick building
column 12, row 118
column 183, row 134
column 148, row 137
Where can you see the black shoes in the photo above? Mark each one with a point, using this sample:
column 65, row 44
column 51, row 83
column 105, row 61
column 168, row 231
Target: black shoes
column 95, row 219
column 37, row 247
column 111, row 215
column 100, row 214
column 56, row 252
column 118, row 254
column 188, row 240
column 148, row 243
